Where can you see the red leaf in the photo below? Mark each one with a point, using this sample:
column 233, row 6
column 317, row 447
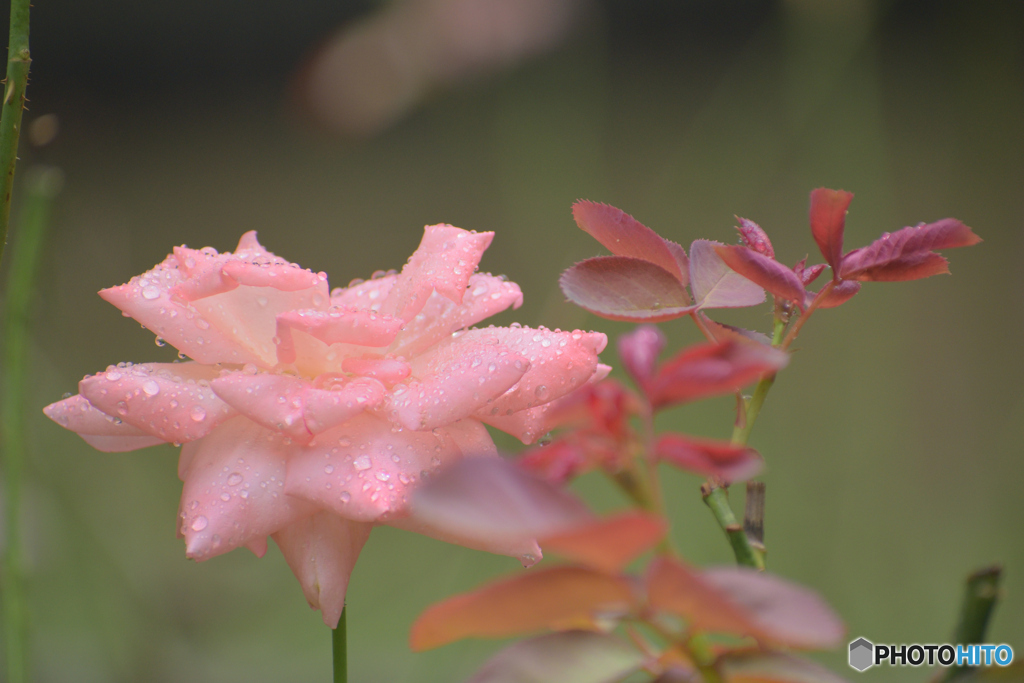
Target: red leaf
column 714, row 284
column 839, row 295
column 764, row 271
column 557, row 462
column 784, row 612
column 609, row 544
column 755, row 237
column 625, row 288
column 712, row 369
column 556, row 598
column 907, row 254
column 744, row 602
column 709, row 457
column 483, row 498
column 808, row 275
column 828, row 219
column 567, row 657
column 639, row 352
column 623, row 235
column 755, row 666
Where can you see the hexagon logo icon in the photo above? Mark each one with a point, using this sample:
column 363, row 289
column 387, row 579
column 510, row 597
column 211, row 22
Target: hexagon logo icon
column 862, row 654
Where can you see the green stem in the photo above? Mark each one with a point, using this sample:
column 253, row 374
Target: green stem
column 752, row 408
column 42, row 189
column 717, row 499
column 339, row 649
column 18, row 61
column 980, row 597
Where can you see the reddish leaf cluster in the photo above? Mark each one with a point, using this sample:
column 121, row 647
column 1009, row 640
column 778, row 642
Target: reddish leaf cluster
column 593, row 594
column 907, row 254
column 646, row 279
column 602, row 436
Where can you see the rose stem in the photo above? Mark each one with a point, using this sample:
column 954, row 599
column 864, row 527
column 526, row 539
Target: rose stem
column 43, row 186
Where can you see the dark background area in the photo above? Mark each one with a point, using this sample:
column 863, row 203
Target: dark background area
column 893, row 440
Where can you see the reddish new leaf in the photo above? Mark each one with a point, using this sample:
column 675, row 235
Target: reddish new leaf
column 625, row 288
column 708, row 457
column 609, row 544
column 712, row 369
column 808, row 275
column 623, row 235
column 678, row 589
column 839, row 294
column 785, row 613
column 764, row 271
column 491, row 498
column 907, row 254
column 556, row 462
column 744, row 602
column 828, row 219
column 567, row 657
column 556, row 598
column 754, row 237
column 755, row 666
column 639, row 351
column 714, row 284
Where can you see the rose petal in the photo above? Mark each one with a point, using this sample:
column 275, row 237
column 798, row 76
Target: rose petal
column 321, row 550
column 444, row 261
column 234, row 489
column 171, row 401
column 147, row 298
column 292, row 405
column 559, row 362
column 338, row 324
column 364, row 470
column 486, row 295
column 531, row 424
column 455, row 383
column 101, row 431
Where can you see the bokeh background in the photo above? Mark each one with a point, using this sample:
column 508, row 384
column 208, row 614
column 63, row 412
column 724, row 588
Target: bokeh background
column 337, row 129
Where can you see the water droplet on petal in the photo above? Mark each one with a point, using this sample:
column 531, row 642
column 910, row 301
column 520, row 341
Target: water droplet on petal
column 234, row 479
column 328, row 469
column 345, row 497
column 198, row 413
column 150, row 293
column 151, row 387
column 199, row 523
column 362, row 463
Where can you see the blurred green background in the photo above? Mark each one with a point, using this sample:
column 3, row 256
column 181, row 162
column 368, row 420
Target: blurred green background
column 893, row 441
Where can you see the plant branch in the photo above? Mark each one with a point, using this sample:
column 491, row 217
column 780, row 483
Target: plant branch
column 43, row 187
column 18, row 61
column 717, row 499
column 339, row 649
column 980, row 595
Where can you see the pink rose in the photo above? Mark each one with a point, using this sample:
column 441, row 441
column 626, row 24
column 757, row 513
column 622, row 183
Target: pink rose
column 309, row 415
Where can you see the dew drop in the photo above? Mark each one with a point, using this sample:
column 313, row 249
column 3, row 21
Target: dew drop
column 234, row 479
column 345, row 497
column 362, row 463
column 150, row 293
column 151, row 387
column 199, row 523
column 225, row 496
column 328, row 469
column 198, row 413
